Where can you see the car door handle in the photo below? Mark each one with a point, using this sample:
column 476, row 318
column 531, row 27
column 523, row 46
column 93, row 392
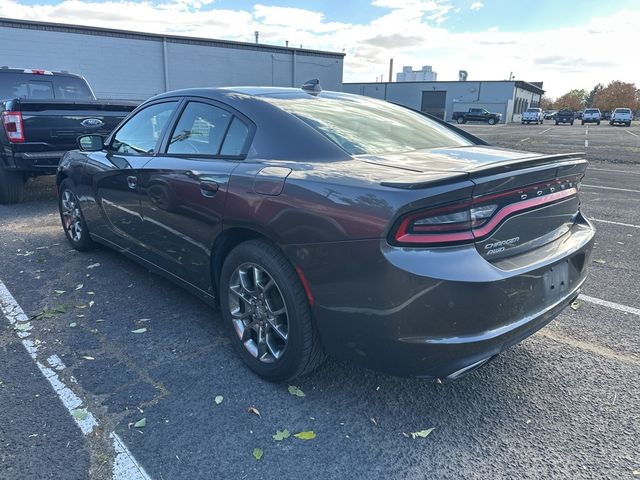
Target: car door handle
column 132, row 182
column 208, row 189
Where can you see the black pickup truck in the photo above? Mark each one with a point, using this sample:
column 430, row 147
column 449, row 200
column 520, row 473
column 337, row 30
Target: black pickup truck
column 565, row 115
column 477, row 115
column 42, row 115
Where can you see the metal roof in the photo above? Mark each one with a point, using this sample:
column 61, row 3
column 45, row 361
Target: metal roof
column 109, row 32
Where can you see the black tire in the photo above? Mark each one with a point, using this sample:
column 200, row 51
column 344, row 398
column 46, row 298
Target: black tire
column 611, row 123
column 491, row 121
column 11, row 186
column 78, row 238
column 542, row 122
column 628, row 124
column 598, row 122
column 460, row 120
column 581, row 123
column 303, row 350
column 556, row 122
column 571, row 122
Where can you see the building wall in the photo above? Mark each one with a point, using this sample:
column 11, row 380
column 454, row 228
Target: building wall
column 522, row 100
column 496, row 97
column 132, row 66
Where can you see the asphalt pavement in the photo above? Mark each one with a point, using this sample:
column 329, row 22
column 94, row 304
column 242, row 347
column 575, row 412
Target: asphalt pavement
column 563, row 404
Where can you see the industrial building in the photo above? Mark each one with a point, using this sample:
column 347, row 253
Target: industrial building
column 131, row 65
column 509, row 97
column 408, row 74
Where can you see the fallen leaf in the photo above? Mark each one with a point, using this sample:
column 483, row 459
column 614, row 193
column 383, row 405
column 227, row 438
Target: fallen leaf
column 91, row 293
column 373, row 420
column 59, row 292
column 23, row 327
column 281, row 435
column 421, row 433
column 87, row 357
column 254, row 410
column 139, row 330
column 575, row 305
column 309, row 435
column 91, row 303
column 295, row 391
column 141, row 423
column 93, row 265
column 257, row 453
column 599, row 261
column 26, row 253
column 73, row 324
column 80, row 286
column 81, row 306
column 218, row 399
column 79, row 414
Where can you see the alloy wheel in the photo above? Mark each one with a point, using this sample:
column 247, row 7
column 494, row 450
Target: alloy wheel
column 71, row 216
column 258, row 312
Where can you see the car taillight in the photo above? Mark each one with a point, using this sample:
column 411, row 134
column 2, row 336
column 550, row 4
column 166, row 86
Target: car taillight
column 12, row 122
column 468, row 221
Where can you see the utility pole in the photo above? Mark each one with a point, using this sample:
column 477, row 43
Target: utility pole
column 257, row 34
column 391, row 70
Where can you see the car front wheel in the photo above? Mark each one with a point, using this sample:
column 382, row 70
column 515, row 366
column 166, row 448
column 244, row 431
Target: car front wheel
column 460, row 120
column 267, row 314
column 75, row 228
column 492, row 121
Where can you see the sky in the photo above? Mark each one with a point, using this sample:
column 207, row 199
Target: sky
column 565, row 44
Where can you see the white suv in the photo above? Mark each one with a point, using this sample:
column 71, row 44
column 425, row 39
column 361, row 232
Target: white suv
column 591, row 115
column 533, row 115
column 622, row 116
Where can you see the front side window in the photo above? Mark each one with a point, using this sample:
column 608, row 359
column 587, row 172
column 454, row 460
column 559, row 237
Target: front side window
column 140, row 134
column 200, row 130
column 362, row 125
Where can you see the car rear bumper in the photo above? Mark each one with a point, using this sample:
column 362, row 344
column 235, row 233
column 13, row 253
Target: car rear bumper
column 591, row 120
column 436, row 312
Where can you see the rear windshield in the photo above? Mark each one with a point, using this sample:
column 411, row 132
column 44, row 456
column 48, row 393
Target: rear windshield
column 622, row 110
column 592, row 110
column 43, row 87
column 533, row 110
column 362, row 125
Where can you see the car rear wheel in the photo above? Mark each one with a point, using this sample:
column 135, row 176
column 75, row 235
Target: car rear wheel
column 556, row 122
column 492, row 121
column 75, row 228
column 598, row 122
column 11, row 186
column 267, row 314
column 460, row 120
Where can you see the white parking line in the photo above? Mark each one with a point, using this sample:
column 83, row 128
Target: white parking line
column 615, row 223
column 606, row 303
column 524, row 140
column 631, row 133
column 614, row 171
column 125, row 467
column 540, row 133
column 611, row 188
column 586, row 143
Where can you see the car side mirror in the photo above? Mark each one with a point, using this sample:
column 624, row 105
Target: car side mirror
column 91, row 143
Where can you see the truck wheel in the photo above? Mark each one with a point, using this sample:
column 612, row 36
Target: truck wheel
column 556, row 122
column 628, row 124
column 572, row 122
column 75, row 228
column 491, row 121
column 598, row 123
column 460, row 120
column 611, row 123
column 11, row 186
column 581, row 123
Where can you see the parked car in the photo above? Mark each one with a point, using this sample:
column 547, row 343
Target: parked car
column 550, row 114
column 621, row 116
column 578, row 114
column 42, row 114
column 591, row 115
column 477, row 115
column 565, row 115
column 532, row 115
column 329, row 222
column 606, row 115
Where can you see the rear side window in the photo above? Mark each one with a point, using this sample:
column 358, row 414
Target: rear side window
column 200, row 130
column 235, row 139
column 43, row 87
column 140, row 134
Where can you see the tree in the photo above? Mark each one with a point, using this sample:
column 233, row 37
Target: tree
column 589, row 100
column 617, row 94
column 546, row 103
column 574, row 99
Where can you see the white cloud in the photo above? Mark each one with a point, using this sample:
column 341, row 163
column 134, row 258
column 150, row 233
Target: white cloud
column 413, row 32
column 477, row 5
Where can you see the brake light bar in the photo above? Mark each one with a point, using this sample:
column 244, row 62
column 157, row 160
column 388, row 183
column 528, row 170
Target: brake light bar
column 471, row 220
column 38, row 71
column 12, row 122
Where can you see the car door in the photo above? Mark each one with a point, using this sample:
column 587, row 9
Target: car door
column 113, row 175
column 183, row 190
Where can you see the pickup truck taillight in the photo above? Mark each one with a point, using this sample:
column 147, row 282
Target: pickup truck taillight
column 12, row 122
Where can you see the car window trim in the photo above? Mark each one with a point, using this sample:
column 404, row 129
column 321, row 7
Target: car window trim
column 251, row 127
column 111, row 137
